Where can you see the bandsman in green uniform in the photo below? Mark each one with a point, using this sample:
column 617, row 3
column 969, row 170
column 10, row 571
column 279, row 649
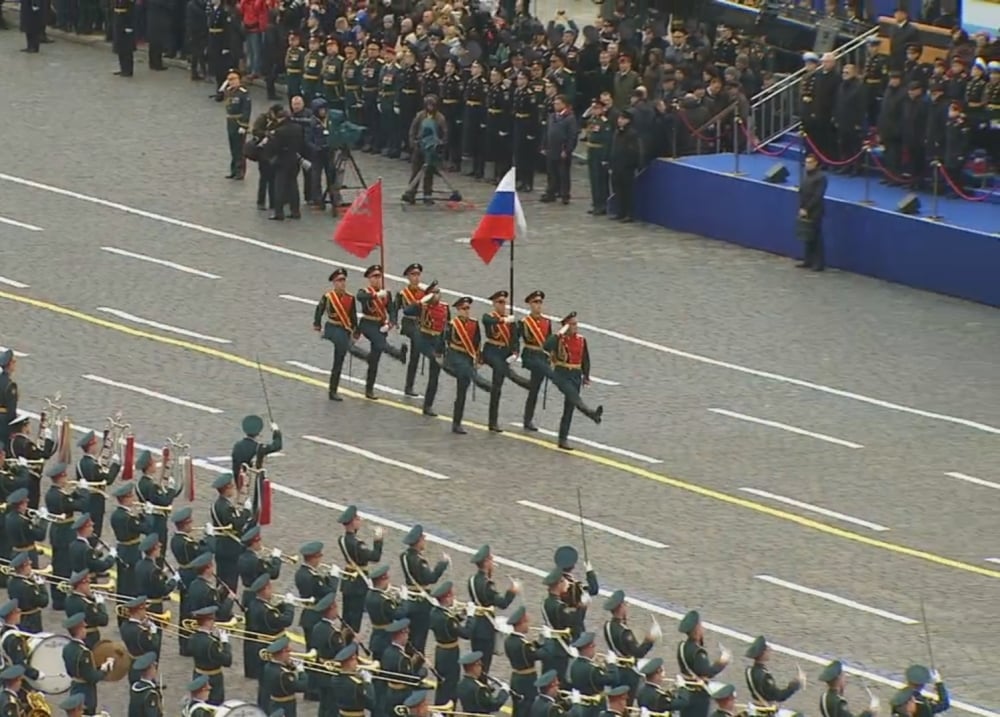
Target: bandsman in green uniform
column 198, row 691
column 265, row 618
column 695, row 665
column 590, row 678
column 832, row 702
column 499, row 351
column 29, row 590
column 598, row 143
column 626, row 650
column 73, row 705
column 549, row 702
column 560, row 621
column 206, row 589
column 184, row 549
column 535, row 330
column 84, row 602
column 653, row 695
column 476, row 693
column 250, row 451
column 522, row 654
column 725, row 701
column 341, row 313
column 91, row 473
column 327, row 638
column 281, row 680
column 383, row 609
column 83, row 556
column 313, row 580
column 400, row 657
column 146, row 697
column 229, row 521
column 617, row 701
column 22, row 531
column 128, row 525
column 59, row 501
column 764, row 691
column 577, row 594
column 487, row 600
column 419, row 578
column 916, row 677
column 151, row 491
column 152, row 577
column 12, row 678
column 253, row 562
column 357, row 556
column 352, row 688
column 463, row 344
column 448, row 628
column 23, row 449
column 212, row 654
column 418, row 703
column 140, row 634
column 238, row 109
column 904, row 703
column 295, row 57
column 378, row 317
column 13, row 643
column 411, row 295
column 332, row 75
column 430, row 316
column 312, row 70
column 571, row 372
column 79, row 663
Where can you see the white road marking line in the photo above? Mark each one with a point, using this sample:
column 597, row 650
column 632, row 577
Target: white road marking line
column 378, row 458
column 463, row 240
column 996, row 561
column 17, row 354
column 15, row 284
column 161, row 262
column 786, row 427
column 163, row 327
column 598, row 446
column 708, row 360
column 227, row 459
column 20, row 225
column 152, row 394
column 603, row 381
column 973, row 480
column 837, row 599
column 343, row 377
column 530, row 570
column 816, row 509
column 594, row 524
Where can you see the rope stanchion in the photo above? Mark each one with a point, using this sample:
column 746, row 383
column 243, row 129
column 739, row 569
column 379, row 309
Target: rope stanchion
column 935, row 165
column 957, row 190
column 867, row 201
column 833, row 162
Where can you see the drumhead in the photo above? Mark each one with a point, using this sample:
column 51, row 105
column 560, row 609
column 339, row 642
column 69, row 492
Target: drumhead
column 239, row 708
column 45, row 655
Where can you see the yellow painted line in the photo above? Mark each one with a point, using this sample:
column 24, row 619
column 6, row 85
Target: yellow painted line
column 605, row 461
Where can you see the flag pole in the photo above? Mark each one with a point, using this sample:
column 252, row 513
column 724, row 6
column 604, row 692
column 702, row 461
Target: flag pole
column 512, row 242
column 381, row 241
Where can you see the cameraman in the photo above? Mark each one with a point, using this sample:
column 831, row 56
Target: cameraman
column 284, row 149
column 428, row 134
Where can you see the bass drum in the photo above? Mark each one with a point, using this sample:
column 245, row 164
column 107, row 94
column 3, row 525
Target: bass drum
column 45, row 655
column 239, row 708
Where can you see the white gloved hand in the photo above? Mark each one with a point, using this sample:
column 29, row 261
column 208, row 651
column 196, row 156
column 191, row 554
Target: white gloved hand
column 378, row 532
column 585, row 599
column 384, row 328
column 573, row 652
column 116, row 459
column 39, row 579
column 510, row 319
column 873, row 705
column 108, row 665
column 147, row 508
column 22, row 461
column 209, row 530
column 82, row 484
column 289, row 598
column 470, row 609
column 153, row 629
column 546, row 632
column 644, row 712
column 366, row 677
column 275, row 552
column 679, row 681
column 99, row 599
column 725, row 656
column 611, row 658
column 587, row 567
column 47, row 434
column 177, row 578
column 171, row 483
column 113, row 552
column 515, row 586
column 43, row 512
column 504, row 627
column 936, row 677
column 564, row 329
column 242, row 130
column 427, row 299
column 224, row 637
column 512, row 358
column 274, row 427
column 575, row 697
column 381, row 293
column 446, row 558
column 404, row 592
column 655, row 631
column 300, row 666
column 248, row 504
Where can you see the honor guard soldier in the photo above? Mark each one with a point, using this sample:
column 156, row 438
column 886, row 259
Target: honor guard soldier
column 499, row 351
column 383, row 609
column 408, row 296
column 312, row 70
column 463, row 344
column 475, row 691
column 151, row 491
column 357, row 556
column 13, row 643
column 561, row 619
column 589, row 678
column 145, row 698
column 229, row 522
column 212, row 653
column 90, row 471
column 152, row 577
column 695, row 666
column 341, row 327
column 547, row 704
column 252, row 563
column 84, row 602
column 13, row 681
column 430, row 78
column 238, row 113
column 617, row 701
column 378, row 316
column 535, row 330
column 129, row 526
column 59, row 501
column 904, row 703
column 313, row 581
column 22, row 532
column 8, row 396
column 295, row 57
column 140, row 635
column 206, row 589
column 73, row 705
column 24, row 450
column 197, row 705
column 419, row 578
column 626, row 650
column 83, row 556
column 653, row 696
column 448, row 629
column 499, row 124
column 79, row 663
column 327, row 638
column 571, row 362
column 249, row 451
column 432, row 317
column 916, row 677
column 474, row 120
column 282, row 679
column 832, row 702
column 525, row 135
column 331, row 74
column 522, row 654
column 265, row 618
column 487, row 600
column 184, row 549
column 28, row 590
column 577, row 594
column 353, row 689
column 764, row 691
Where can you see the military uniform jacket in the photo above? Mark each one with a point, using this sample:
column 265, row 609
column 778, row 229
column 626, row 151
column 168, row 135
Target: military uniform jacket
column 8, row 407
column 61, row 534
column 84, row 556
column 31, row 597
column 209, row 653
column 382, row 609
column 326, row 638
column 589, row 678
column 477, row 696
column 333, row 67
column 225, row 513
column 88, row 469
column 692, row 659
column 764, row 691
column 252, row 452
column 570, row 353
column 151, row 580
column 655, row 699
column 876, row 73
column 390, row 82
column 283, row 682
column 522, row 654
column 200, row 709
column 598, row 141
column 150, row 490
column 832, row 704
column 357, row 556
column 545, row 706
column 185, row 549
column 373, row 308
column 353, row 695
column 9, row 704
column 295, row 58
column 408, row 297
column 21, row 446
column 95, row 615
column 462, row 336
column 311, row 584
column 201, row 593
column 79, row 663
column 138, row 638
column 447, row 629
column 926, row 707
column 238, row 107
column 15, row 649
column 251, row 566
column 500, row 335
column 622, row 642
column 524, row 105
column 534, row 332
column 418, row 573
column 312, row 68
column 267, row 619
column 371, row 75
column 339, row 310
column 498, row 111
column 144, row 700
column 483, row 593
column 430, row 83
column 129, row 529
column 452, row 91
column 22, row 533
column 561, row 616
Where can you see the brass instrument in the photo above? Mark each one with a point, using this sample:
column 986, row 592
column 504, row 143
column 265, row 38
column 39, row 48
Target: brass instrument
column 114, row 440
column 573, row 696
column 158, row 617
column 565, row 633
column 102, row 588
column 643, row 712
column 214, row 530
column 54, row 413
column 175, row 460
column 289, row 599
column 46, row 572
column 250, row 476
column 37, row 706
column 37, row 515
column 446, row 708
column 97, row 487
column 106, row 649
column 287, row 559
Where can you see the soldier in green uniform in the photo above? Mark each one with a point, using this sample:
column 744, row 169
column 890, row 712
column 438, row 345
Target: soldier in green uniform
column 152, row 578
column 522, row 654
column 13, row 643
column 59, row 501
column 8, row 395
column 371, row 74
column 571, row 372
column 22, row 531
column 463, row 343
column 184, row 549
column 314, row 582
column 577, row 594
column 250, row 451
column 725, row 701
column 326, row 637
column 625, row 648
column 400, row 658
column 229, row 522
column 238, row 108
column 128, row 527
column 79, row 662
column 152, row 491
column 534, row 330
column 916, row 677
column 417, row 704
column 430, row 316
column 357, row 556
column 832, row 702
column 598, row 143
column 383, row 609
column 409, row 296
column 88, row 469
column 91, row 606
column 695, row 665
column 23, row 449
column 653, row 696
column 206, row 589
column 253, row 563
column 353, row 689
column 28, row 589
column 589, row 678
column 499, row 351
column 145, row 698
column 198, row 691
column 390, row 85
column 378, row 316
column 12, row 678
column 617, row 701
column 281, row 680
column 83, row 556
column 73, row 705
column 419, row 578
column 341, row 328
column 295, row 57
column 548, row 703
column 487, row 599
column 139, row 633
column 904, row 703
column 351, row 71
column 212, row 653
column 475, row 693
column 560, row 621
column 312, row 70
column 448, row 629
column 264, row 618
column 331, row 73
column 563, row 78
column 764, row 691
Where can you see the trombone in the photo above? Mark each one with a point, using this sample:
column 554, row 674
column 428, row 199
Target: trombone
column 96, row 487
column 287, row 559
column 161, row 618
column 332, row 667
column 212, row 531
column 445, row 709
column 104, row 589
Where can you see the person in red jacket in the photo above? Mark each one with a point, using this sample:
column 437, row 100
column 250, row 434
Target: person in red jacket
column 255, row 18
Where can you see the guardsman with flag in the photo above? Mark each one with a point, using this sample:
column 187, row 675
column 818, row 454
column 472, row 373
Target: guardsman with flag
column 764, row 691
column 357, row 557
column 462, row 341
column 249, row 451
column 341, row 327
column 419, row 578
column 433, row 316
column 535, row 330
column 571, row 360
column 378, row 316
column 411, row 295
column 626, row 651
column 499, row 351
column 487, row 600
column 832, row 702
column 695, row 665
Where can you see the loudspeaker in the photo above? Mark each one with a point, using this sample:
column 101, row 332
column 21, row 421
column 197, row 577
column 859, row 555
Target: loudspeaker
column 776, row 174
column 910, row 204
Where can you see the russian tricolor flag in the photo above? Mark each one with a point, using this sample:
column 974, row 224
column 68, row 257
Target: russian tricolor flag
column 504, row 220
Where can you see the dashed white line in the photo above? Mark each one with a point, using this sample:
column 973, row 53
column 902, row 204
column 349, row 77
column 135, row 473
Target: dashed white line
column 625, row 535
column 972, row 479
column 160, row 262
column 151, row 393
column 786, row 427
column 838, row 599
column 163, row 327
column 816, row 509
column 343, row 377
column 15, row 284
column 600, row 446
column 377, row 457
column 20, row 225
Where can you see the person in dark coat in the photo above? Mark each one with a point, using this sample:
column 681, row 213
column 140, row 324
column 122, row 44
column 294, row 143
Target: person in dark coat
column 849, row 117
column 827, row 82
column 284, row 148
column 890, row 125
column 32, row 24
column 903, row 34
column 159, row 23
column 196, row 25
column 124, row 35
column 937, row 118
column 915, row 112
column 812, row 192
column 560, row 141
column 956, row 147
column 626, row 159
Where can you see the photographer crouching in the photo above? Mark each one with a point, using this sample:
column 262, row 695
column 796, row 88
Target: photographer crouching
column 428, row 135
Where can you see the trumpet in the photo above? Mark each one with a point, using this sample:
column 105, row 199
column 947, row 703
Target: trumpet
column 644, row 712
column 158, row 617
column 574, row 697
column 45, row 515
column 446, row 708
column 149, row 508
column 230, row 625
column 290, row 599
column 97, row 487
column 44, row 573
column 287, row 559
column 97, row 588
column 545, row 631
column 217, row 530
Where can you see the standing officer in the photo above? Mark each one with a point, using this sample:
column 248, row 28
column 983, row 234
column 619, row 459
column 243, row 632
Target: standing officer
column 353, row 103
column 312, row 70
column 8, row 396
column 371, row 73
column 474, row 119
column 832, row 702
column 812, row 193
column 522, row 654
column 463, row 342
column 378, row 316
column 764, row 691
column 145, row 698
column 499, row 351
column 238, row 108
column 139, row 634
column 524, row 105
column 152, row 492
column 654, row 697
column 535, row 330
column 357, row 556
column 341, row 327
column 487, row 600
column 408, row 296
column 28, row 589
column 58, row 501
column 219, row 22
column 295, row 59
column 446, row 624
column 185, row 550
column 428, row 339
column 229, row 522
column 622, row 643
column 695, row 666
column 124, row 35
column 475, row 693
column 499, row 124
column 79, row 663
column 128, row 526
column 572, row 371
column 409, row 98
column 419, row 578
column 90, row 470
column 558, row 145
column 211, row 652
column 83, row 556
column 332, row 71
column 452, row 93
column 389, row 90
column 598, row 144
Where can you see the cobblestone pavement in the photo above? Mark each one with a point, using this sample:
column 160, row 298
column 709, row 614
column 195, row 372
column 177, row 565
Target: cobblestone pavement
column 889, row 390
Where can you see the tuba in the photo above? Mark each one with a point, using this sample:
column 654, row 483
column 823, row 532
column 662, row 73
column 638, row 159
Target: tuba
column 37, row 706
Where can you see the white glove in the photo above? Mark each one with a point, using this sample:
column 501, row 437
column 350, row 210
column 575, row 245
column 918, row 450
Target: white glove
column 39, row 579
column 113, row 552
column 446, row 558
column 611, row 658
column 248, row 505
column 511, row 359
column 41, row 675
column 43, row 512
column 300, row 666
column 289, row 598
column 655, row 632
column 515, row 586
column 209, row 530
column 147, row 508
column 108, row 665
column 47, row 434
column 801, row 678
column 404, row 592
column 116, row 459
column 366, row 677
column 510, row 319
column 573, row 652
column 378, row 532
column 751, row 709
column 171, row 483
column 384, row 328
column 427, row 299
column 381, row 293
column 585, row 599
column 241, row 130
column 587, row 567
column 153, row 629
column 873, row 705
column 274, row 427
column 275, row 552
column 224, row 637
column 82, row 484
column 99, row 598
column 177, row 578
column 679, row 681
column 22, row 461
column 644, row 712
column 564, row 329
column 504, row 627
column 129, row 30
column 936, row 677
column 725, row 656
column 575, row 697
column 546, row 632
column 470, row 609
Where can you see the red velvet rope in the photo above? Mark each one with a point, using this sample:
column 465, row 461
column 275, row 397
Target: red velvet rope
column 827, row 160
column 957, row 190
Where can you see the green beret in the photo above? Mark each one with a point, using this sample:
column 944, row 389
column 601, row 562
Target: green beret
column 181, row 514
column 72, row 702
column 149, row 542
column 324, row 603
column 136, row 602
column 481, row 554
column 442, row 589
column 88, row 438
column 8, row 607
column 260, row 583
column 379, row 571
column 586, row 638
column 470, row 658
column 310, row 549
column 918, row 675
column 689, row 622
column 222, row 481
column 554, row 576
column 144, row 460
column 81, row 520
column 251, row 535
column 123, row 489
column 74, row 621
column 397, row 626
column 18, row 496
column 20, row 559
column 347, row 652
column 14, row 672
column 724, row 691
column 515, row 617
column 618, row 691
column 278, row 645
column 756, row 648
column 831, row 671
column 417, row 698
column 349, row 514
column 207, row 611
column 78, row 577
column 144, row 662
column 253, row 425
column 566, row 557
column 54, row 470
column 201, row 561
column 198, row 683
column 615, row 601
column 415, row 533
column 651, row 666
column 901, row 697
column 546, row 679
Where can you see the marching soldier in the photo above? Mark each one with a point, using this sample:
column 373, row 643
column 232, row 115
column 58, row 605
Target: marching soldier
column 524, row 105
column 326, row 637
column 282, row 679
column 447, row 627
column 140, row 635
column 22, row 532
column 265, row 618
column 198, row 692
column 378, row 316
column 571, row 361
column 145, row 697
column 408, row 296
column 8, row 396
column 333, row 67
column 653, row 696
column 252, row 563
column 475, row 693
column 589, row 678
column 832, row 702
column 79, row 663
column 89, row 472
column 535, row 330
column 229, row 522
column 487, row 599
column 463, row 342
column 128, row 526
column 357, row 557
column 431, row 316
column 28, row 590
column 577, row 594
column 314, row 581
column 295, row 57
column 547, row 704
column 152, row 492
column 152, row 577
column 764, row 691
column 695, row 666
column 13, row 681
column 341, row 327
column 617, row 701
column 249, row 452
column 522, row 654
column 725, row 700
column 419, row 577
column 904, row 703
column 474, row 120
column 59, row 501
column 401, row 659
column 626, row 650
column 83, row 556
column 383, row 610
column 561, row 619
column 211, row 652
column 92, row 606
column 73, row 705
column 916, row 677
column 206, row 589
column 238, row 113
column 184, row 549
column 25, row 450
column 499, row 351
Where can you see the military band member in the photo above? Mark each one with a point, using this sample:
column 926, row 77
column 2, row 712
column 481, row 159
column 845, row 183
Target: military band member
column 400, row 657
column 357, row 557
column 695, row 665
column 378, row 316
column 24, row 450
column 79, row 662
column 448, row 629
column 383, row 608
column 89, row 469
column 184, row 549
column 904, row 703
column 89, row 604
column 617, row 701
column 725, row 701
column 281, row 679
column 499, row 350
column 561, row 619
column 341, row 327
column 313, row 580
column 28, row 590
column 265, row 618
column 463, row 344
column 206, row 589
column 326, row 637
column 12, row 678
column 129, row 526
column 145, row 697
column 590, row 678
column 764, row 691
column 59, row 501
column 577, row 594
column 229, row 520
column 653, row 696
column 198, row 691
column 13, row 644
column 253, row 563
column 152, row 576
column 571, row 363
column 212, row 653
column 832, row 702
column 353, row 689
column 73, row 705
column 626, row 650
column 419, row 578
column 475, row 692
column 8, row 396
column 522, row 654
column 151, row 491
column 488, row 600
column 140, row 635
column 411, row 295
column 548, row 702
column 916, row 677
column 249, row 451
column 83, row 556
column 22, row 531
column 418, row 703
column 535, row 330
